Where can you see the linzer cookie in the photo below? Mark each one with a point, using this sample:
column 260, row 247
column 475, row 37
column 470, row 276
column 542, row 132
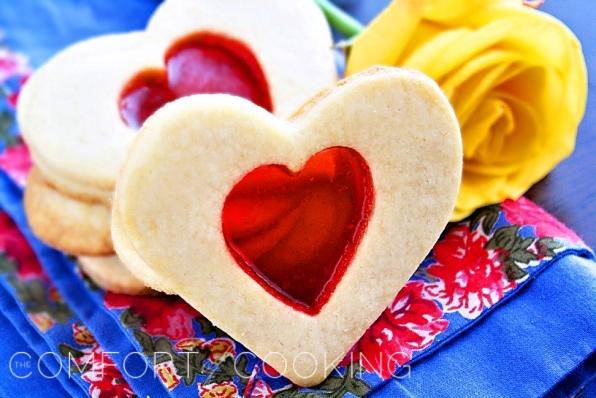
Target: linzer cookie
column 292, row 236
column 110, row 274
column 81, row 225
column 80, row 111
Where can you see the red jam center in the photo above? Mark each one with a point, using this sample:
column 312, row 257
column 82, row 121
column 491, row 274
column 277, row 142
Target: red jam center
column 200, row 63
column 296, row 233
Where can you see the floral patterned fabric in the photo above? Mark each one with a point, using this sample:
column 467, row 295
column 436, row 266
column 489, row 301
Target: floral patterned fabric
column 473, row 268
column 45, row 311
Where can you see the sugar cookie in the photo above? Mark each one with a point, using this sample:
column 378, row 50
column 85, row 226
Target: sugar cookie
column 293, row 237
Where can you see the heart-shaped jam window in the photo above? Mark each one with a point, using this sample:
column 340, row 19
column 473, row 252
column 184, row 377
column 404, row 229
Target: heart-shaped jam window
column 295, row 233
column 201, row 63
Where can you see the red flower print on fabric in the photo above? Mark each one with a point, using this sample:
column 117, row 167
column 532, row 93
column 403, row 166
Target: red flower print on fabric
column 257, row 387
column 12, row 64
column 96, row 367
column 219, row 349
column 107, row 382
column 410, row 323
column 161, row 316
column 468, row 277
column 526, row 212
column 16, row 162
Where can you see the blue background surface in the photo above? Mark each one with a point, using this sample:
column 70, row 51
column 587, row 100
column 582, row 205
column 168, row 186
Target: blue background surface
column 40, row 28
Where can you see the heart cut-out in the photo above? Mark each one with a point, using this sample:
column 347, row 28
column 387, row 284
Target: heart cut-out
column 292, row 237
column 200, row 63
column 296, row 233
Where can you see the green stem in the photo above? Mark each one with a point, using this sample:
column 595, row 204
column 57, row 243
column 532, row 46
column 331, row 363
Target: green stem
column 339, row 20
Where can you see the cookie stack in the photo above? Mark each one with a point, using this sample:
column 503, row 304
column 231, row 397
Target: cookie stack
column 80, row 111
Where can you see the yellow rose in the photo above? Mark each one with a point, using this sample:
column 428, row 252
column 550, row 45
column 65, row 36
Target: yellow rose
column 515, row 76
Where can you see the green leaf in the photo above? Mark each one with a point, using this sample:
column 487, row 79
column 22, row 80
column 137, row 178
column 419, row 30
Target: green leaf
column 331, row 383
column 76, row 369
column 183, row 369
column 69, row 352
column 60, row 312
column 130, row 319
column 524, row 243
column 189, row 365
column 550, row 243
column 487, row 215
column 145, row 341
column 504, row 238
column 33, row 294
column 208, row 328
column 163, row 345
column 547, row 246
column 20, row 288
column 358, row 387
column 198, row 358
column 332, row 387
column 513, row 271
column 7, row 265
column 522, row 256
column 205, row 325
column 226, row 372
column 163, row 350
column 489, row 221
column 6, row 122
column 241, row 368
column 37, row 291
column 294, row 392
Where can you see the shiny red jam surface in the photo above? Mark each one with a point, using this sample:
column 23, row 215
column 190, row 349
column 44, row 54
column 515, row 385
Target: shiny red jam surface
column 199, row 63
column 296, row 233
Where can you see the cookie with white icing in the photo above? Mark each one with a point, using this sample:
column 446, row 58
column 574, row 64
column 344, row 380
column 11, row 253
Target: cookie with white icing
column 292, row 237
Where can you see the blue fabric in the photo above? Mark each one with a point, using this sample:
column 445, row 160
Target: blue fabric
column 468, row 358
column 40, row 28
column 499, row 356
column 18, row 359
column 88, row 305
column 574, row 15
column 41, row 345
column 61, row 270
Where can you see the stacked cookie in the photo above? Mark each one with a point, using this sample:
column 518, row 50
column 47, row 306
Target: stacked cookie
column 80, row 111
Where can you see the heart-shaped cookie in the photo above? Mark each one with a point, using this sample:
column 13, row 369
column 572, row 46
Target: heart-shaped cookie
column 110, row 274
column 80, row 111
column 69, row 110
column 292, row 237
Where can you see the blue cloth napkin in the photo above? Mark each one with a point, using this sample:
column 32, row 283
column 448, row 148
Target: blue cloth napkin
column 19, row 362
column 533, row 334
